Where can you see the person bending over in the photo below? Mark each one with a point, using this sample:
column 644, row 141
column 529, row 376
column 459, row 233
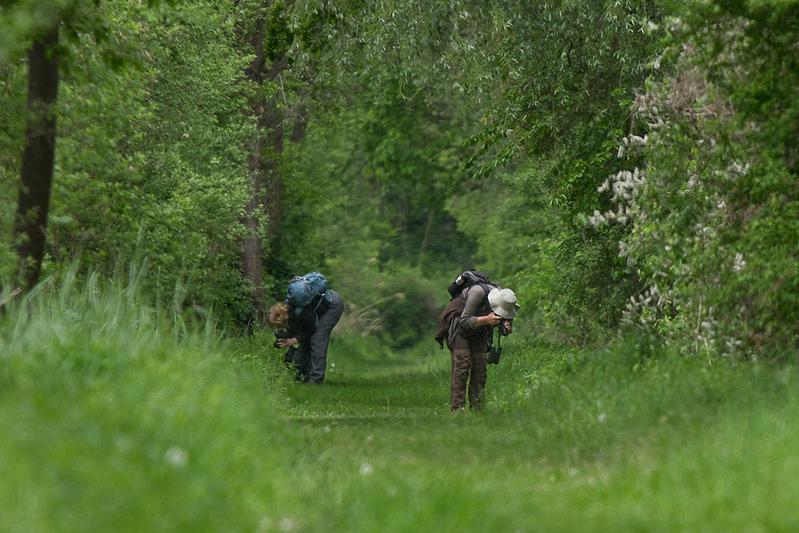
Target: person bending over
column 307, row 332
column 470, row 337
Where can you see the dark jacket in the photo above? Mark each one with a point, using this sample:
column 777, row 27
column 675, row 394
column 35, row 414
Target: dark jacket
column 447, row 319
column 303, row 325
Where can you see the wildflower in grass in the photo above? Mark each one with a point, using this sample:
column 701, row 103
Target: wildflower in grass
column 176, row 456
column 265, row 524
column 365, row 470
column 732, row 346
column 288, row 524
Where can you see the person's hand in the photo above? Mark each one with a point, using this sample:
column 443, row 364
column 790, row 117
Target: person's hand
column 285, row 343
column 508, row 327
column 491, row 319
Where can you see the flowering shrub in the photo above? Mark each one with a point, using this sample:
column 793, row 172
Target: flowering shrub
column 713, row 208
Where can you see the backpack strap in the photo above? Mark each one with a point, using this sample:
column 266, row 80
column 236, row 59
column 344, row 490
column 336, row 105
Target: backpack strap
column 486, row 288
column 325, row 298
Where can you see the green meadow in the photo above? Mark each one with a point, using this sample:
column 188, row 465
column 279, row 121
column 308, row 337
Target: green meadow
column 119, row 417
column 628, row 168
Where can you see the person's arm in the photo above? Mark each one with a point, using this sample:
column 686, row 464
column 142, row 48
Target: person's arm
column 468, row 320
column 288, row 343
column 293, row 330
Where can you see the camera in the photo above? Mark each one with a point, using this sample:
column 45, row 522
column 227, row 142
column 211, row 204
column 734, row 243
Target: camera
column 494, row 354
column 280, row 335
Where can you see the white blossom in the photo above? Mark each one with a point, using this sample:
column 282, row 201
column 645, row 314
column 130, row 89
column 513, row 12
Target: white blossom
column 738, row 169
column 365, row 469
column 739, row 262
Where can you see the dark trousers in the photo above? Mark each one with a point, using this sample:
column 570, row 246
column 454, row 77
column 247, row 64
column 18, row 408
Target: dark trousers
column 310, row 358
column 469, row 373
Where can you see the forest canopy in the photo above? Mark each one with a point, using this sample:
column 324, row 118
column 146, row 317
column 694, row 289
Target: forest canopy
column 622, row 164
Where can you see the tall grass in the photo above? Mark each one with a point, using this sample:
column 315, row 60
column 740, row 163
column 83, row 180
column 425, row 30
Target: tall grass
column 119, row 416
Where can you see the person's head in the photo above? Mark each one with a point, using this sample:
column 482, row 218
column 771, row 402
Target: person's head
column 278, row 315
column 503, row 303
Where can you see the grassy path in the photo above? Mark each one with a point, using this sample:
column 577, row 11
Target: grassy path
column 111, row 424
column 380, row 451
column 380, row 439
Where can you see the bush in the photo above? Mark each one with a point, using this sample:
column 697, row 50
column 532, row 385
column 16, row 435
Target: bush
column 409, row 307
column 713, row 209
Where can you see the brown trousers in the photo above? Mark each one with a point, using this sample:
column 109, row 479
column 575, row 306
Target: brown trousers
column 468, row 372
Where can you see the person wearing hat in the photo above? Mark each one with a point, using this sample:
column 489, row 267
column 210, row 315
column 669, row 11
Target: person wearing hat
column 484, row 308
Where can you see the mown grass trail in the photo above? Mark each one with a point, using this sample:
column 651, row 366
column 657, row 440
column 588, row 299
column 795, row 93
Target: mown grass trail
column 568, row 442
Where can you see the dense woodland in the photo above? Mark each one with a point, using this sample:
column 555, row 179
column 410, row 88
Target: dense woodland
column 628, row 167
column 620, row 163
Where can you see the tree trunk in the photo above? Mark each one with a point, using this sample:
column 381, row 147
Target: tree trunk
column 38, row 158
column 300, row 123
column 274, row 198
column 253, row 248
column 266, row 180
column 252, row 267
column 266, row 183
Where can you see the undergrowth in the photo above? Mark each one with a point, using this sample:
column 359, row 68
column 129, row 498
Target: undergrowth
column 119, row 416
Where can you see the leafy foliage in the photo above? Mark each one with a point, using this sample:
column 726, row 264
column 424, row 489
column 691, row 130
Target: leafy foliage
column 714, row 218
column 424, row 138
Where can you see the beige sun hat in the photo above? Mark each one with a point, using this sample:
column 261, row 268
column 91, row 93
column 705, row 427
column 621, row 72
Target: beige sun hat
column 503, row 302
